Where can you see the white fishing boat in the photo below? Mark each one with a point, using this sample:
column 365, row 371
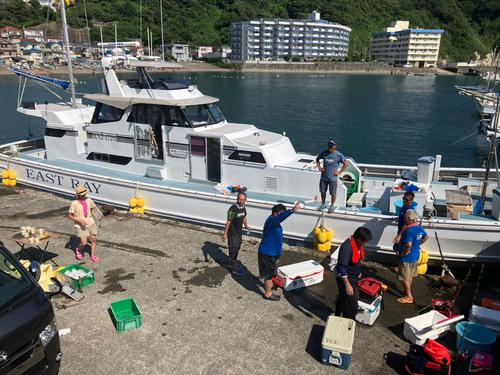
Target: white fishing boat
column 166, row 142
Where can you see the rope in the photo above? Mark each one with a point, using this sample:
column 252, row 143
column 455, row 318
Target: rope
column 444, row 267
column 463, row 139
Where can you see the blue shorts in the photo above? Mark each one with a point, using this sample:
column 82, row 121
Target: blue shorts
column 324, row 185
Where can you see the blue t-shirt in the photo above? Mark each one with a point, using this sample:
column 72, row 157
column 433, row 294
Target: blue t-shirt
column 402, row 213
column 272, row 235
column 331, row 164
column 413, row 235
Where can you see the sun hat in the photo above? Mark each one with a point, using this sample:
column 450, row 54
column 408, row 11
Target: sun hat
column 331, row 142
column 80, row 190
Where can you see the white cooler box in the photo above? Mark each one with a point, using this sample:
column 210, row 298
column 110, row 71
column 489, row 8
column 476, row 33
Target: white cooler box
column 430, row 325
column 337, row 341
column 299, row 275
column 367, row 314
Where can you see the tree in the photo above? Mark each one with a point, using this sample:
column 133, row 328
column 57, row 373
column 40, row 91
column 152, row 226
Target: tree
column 287, row 57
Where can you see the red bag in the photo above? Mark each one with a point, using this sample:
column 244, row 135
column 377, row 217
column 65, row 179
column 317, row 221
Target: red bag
column 370, row 286
column 437, row 352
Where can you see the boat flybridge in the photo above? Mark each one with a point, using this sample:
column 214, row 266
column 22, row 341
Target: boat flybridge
column 163, row 140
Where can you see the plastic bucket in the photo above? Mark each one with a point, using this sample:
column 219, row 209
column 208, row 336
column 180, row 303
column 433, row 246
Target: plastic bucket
column 477, row 337
column 399, row 206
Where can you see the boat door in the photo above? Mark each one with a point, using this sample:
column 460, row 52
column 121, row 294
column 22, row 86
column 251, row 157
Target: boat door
column 205, row 158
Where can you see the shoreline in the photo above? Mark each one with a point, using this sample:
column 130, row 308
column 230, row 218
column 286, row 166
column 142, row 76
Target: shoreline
column 303, row 68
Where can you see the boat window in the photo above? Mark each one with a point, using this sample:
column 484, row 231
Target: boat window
column 255, row 157
column 58, row 133
column 106, row 113
column 139, row 114
column 176, row 117
column 203, row 115
column 106, row 158
column 198, row 146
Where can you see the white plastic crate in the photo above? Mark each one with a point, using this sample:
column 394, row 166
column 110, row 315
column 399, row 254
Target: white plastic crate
column 414, row 325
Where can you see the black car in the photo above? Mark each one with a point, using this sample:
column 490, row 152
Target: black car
column 29, row 339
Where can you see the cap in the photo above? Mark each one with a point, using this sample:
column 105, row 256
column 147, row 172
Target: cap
column 80, row 190
column 331, row 142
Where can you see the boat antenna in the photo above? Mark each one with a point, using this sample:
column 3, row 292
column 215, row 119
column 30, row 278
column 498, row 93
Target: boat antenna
column 162, row 41
column 68, row 53
column 140, row 22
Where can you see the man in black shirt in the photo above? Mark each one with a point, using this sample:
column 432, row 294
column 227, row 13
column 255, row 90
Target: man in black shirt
column 236, row 217
column 348, row 270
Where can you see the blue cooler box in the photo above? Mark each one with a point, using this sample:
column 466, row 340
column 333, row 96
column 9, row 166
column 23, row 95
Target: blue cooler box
column 337, row 342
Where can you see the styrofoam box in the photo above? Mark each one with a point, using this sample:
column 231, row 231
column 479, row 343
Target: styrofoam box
column 301, row 274
column 487, row 317
column 379, row 197
column 413, row 325
column 367, row 314
column 337, row 341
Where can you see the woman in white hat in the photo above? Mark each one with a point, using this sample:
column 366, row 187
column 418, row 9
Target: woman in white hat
column 80, row 212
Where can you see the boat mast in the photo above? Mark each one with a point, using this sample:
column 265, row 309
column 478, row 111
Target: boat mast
column 162, row 41
column 68, row 53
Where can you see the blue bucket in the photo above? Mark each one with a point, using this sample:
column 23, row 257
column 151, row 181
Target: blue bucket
column 399, row 206
column 477, row 337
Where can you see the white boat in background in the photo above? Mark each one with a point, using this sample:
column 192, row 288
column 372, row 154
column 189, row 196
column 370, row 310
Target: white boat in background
column 491, row 76
column 166, row 142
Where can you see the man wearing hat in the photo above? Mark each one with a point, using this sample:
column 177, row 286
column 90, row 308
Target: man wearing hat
column 80, row 212
column 329, row 173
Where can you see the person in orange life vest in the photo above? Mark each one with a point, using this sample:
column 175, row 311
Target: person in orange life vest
column 348, row 270
column 412, row 236
column 80, row 212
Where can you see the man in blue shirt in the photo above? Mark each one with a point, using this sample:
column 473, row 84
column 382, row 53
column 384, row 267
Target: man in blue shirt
column 348, row 271
column 407, row 205
column 271, row 245
column 329, row 173
column 412, row 236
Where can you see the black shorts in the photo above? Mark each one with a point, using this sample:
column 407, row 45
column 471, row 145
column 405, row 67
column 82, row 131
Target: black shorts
column 233, row 245
column 267, row 266
column 324, row 185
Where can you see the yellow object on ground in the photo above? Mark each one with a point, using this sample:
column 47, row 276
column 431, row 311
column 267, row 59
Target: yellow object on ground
column 134, row 210
column 13, row 182
column 140, row 210
column 140, row 202
column 5, row 173
column 12, row 175
column 6, row 181
column 133, row 202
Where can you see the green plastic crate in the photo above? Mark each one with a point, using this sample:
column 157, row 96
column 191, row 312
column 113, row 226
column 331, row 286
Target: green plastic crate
column 126, row 315
column 85, row 280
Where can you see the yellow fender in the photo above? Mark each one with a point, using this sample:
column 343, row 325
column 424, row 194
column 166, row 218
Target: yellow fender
column 13, row 182
column 140, row 202
column 12, row 175
column 133, row 210
column 317, row 230
column 424, row 257
column 132, row 202
column 422, row 269
column 6, row 181
column 329, row 235
column 5, row 174
column 321, row 236
column 140, row 210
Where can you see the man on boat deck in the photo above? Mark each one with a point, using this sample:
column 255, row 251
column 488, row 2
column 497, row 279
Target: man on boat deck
column 348, row 271
column 412, row 236
column 407, row 205
column 329, row 173
column 236, row 217
column 271, row 245
column 80, row 212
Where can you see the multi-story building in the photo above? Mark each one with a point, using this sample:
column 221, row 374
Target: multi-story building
column 265, row 39
column 34, row 34
column 179, row 51
column 10, row 32
column 201, row 50
column 399, row 45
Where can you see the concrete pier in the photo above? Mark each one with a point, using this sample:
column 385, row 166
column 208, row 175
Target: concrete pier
column 198, row 317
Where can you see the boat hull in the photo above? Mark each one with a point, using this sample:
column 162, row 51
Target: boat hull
column 460, row 241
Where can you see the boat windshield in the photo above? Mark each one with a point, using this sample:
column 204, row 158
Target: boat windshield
column 204, row 115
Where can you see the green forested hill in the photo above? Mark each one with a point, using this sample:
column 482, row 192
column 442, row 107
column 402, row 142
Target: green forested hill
column 471, row 26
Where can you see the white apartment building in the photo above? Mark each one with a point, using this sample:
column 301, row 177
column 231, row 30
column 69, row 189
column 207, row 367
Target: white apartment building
column 399, row 45
column 265, row 39
column 34, row 34
column 179, row 51
column 201, row 50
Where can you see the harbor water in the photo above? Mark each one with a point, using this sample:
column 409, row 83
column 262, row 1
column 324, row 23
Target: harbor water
column 374, row 119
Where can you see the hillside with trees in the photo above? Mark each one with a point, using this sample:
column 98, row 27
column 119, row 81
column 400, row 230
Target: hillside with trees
column 471, row 27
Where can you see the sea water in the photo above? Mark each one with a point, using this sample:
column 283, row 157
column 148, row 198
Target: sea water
column 380, row 119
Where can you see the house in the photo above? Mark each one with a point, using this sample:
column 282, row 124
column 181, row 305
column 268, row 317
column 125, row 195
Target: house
column 201, row 50
column 54, row 39
column 10, row 32
column 34, row 34
column 179, row 51
column 7, row 48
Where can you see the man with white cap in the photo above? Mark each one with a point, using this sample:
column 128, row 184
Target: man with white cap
column 329, row 172
column 80, row 212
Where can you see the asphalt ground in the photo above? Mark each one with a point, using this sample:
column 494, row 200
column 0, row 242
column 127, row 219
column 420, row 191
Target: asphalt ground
column 198, row 317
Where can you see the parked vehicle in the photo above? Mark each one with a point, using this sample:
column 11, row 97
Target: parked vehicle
column 408, row 66
column 29, row 339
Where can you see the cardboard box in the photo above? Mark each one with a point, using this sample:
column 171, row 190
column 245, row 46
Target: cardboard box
column 299, row 275
column 453, row 211
column 337, row 342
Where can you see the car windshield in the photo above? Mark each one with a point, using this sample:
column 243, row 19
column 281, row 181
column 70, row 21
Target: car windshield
column 13, row 281
column 204, row 115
